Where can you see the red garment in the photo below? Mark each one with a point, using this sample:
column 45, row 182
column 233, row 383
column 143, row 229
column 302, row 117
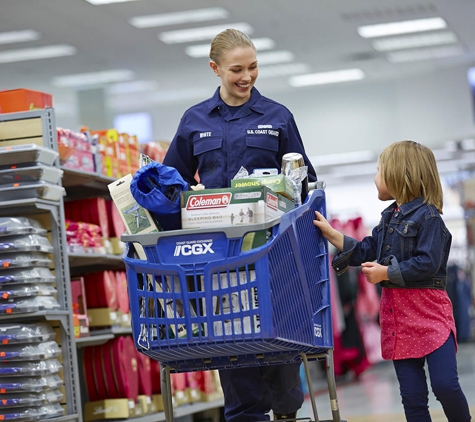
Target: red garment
column 414, row 322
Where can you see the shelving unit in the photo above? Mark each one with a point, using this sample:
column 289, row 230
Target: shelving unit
column 39, row 127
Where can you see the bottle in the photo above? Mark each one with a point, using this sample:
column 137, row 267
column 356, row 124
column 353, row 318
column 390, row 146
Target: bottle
column 292, row 161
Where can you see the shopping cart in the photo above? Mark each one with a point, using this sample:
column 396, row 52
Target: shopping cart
column 199, row 301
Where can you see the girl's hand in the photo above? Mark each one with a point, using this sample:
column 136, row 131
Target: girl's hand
column 374, row 272
column 328, row 232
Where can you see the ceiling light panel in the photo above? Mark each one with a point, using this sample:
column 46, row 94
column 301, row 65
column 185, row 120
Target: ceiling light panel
column 133, row 86
column 19, row 36
column 402, row 27
column 202, row 50
column 94, row 78
column 327, row 77
column 273, row 57
column 282, row 70
column 201, row 34
column 415, row 41
column 101, row 2
column 424, row 54
column 176, row 18
column 37, row 53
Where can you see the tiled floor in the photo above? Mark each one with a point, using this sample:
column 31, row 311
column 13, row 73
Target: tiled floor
column 375, row 396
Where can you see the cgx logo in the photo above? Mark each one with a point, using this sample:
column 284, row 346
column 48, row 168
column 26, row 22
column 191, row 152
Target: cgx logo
column 194, row 249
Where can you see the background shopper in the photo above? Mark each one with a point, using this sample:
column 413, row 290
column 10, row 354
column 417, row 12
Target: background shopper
column 237, row 127
column 407, row 254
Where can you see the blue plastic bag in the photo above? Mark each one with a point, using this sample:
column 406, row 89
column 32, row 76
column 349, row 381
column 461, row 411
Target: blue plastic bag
column 157, row 188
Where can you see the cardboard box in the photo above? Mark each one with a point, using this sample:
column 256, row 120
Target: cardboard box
column 278, row 183
column 137, row 219
column 15, row 100
column 103, row 317
column 231, row 206
column 108, row 409
column 234, row 303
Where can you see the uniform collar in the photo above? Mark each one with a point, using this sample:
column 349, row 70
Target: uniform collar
column 254, row 103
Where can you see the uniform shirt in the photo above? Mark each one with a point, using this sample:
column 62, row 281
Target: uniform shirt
column 216, row 143
column 416, row 314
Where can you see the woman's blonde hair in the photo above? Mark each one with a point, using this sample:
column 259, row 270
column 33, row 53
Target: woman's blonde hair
column 409, row 171
column 226, row 41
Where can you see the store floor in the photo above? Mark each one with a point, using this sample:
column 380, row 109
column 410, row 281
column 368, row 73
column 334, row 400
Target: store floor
column 374, row 397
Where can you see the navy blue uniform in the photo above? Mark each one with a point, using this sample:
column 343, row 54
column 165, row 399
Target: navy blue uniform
column 216, row 142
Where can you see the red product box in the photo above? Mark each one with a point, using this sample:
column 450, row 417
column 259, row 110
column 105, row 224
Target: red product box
column 21, row 99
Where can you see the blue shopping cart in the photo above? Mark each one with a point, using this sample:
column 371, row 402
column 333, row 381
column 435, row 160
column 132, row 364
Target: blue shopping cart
column 200, row 301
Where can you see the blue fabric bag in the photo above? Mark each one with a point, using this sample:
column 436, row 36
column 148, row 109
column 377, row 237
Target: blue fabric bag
column 157, row 188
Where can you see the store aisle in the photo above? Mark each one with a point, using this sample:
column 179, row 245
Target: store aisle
column 375, row 396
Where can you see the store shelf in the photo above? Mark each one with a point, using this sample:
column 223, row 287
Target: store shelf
column 81, row 185
column 80, row 263
column 178, row 412
column 98, row 337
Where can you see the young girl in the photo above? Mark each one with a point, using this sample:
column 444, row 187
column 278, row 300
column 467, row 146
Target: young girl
column 407, row 253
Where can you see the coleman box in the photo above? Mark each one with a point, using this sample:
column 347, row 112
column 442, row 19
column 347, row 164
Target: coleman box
column 231, row 206
column 278, row 183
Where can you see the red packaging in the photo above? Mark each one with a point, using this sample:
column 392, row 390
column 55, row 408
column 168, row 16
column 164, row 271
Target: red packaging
column 23, row 99
column 144, row 374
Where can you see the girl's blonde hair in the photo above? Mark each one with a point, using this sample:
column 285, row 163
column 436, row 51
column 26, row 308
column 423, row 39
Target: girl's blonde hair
column 409, row 171
column 226, row 41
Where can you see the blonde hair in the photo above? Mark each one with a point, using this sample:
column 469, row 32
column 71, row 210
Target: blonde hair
column 226, row 41
column 409, row 171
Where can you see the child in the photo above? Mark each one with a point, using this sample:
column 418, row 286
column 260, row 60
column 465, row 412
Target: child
column 407, row 253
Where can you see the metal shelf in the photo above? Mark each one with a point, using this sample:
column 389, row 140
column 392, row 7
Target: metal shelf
column 80, row 263
column 81, row 185
column 98, row 337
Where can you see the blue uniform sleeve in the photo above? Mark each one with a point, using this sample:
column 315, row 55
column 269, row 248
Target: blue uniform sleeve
column 180, row 154
column 292, row 142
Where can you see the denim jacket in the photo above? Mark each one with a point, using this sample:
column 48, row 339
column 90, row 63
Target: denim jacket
column 412, row 241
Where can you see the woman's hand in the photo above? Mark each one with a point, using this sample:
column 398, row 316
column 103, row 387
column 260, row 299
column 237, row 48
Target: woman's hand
column 328, row 232
column 374, row 272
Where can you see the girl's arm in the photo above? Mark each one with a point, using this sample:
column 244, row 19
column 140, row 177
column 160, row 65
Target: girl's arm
column 332, row 235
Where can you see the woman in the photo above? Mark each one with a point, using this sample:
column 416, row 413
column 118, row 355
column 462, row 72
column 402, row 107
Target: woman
column 239, row 127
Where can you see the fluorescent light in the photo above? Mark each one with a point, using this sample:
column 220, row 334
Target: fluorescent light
column 200, row 34
column 176, row 18
column 326, row 77
column 47, row 52
column 101, row 2
column 134, row 86
column 403, row 27
column 19, row 36
column 471, row 77
column 343, row 158
column 424, row 54
column 415, row 41
column 95, row 78
column 272, row 57
column 283, row 70
column 202, row 50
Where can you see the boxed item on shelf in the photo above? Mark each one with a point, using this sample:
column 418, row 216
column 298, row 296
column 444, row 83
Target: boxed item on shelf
column 231, row 206
column 21, row 99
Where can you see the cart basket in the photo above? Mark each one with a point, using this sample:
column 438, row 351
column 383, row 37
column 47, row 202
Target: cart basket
column 199, row 301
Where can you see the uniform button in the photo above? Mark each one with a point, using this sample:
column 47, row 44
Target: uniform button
column 338, row 268
column 396, row 214
column 388, row 247
column 390, row 230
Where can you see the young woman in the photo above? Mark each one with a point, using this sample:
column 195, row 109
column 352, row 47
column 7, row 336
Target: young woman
column 239, row 127
column 407, row 254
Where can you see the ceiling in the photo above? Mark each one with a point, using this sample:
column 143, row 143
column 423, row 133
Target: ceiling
column 321, row 34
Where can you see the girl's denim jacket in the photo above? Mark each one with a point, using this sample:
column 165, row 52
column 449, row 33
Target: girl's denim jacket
column 412, row 241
